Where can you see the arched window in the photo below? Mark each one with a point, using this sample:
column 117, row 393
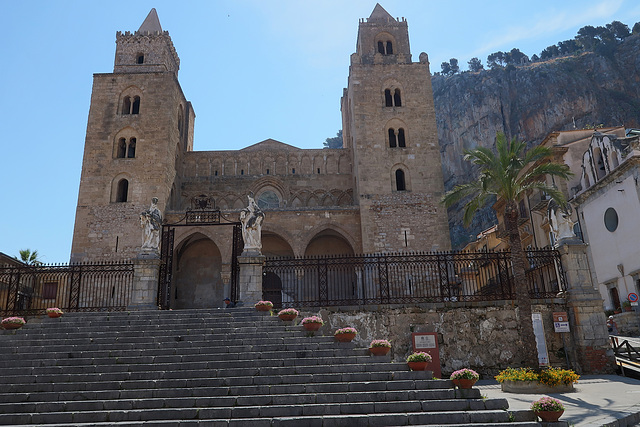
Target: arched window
column 126, row 105
column 599, row 164
column 131, row 152
column 122, row 192
column 140, row 58
column 400, row 183
column 381, row 47
column 389, row 48
column 392, row 138
column 401, row 142
column 388, row 100
column 396, row 98
column 268, row 200
column 122, row 148
column 136, row 105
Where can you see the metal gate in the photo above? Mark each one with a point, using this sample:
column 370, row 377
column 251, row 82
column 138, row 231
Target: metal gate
column 199, row 217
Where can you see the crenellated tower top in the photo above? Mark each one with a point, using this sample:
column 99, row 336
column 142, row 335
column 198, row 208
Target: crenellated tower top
column 149, row 49
column 382, row 39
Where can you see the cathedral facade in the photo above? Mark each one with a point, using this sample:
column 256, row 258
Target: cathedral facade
column 380, row 192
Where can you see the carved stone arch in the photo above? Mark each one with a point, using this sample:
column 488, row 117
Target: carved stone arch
column 242, row 166
column 305, row 165
column 294, row 165
column 229, row 166
column 116, row 186
column 216, row 166
column 344, row 164
column 385, row 37
column 331, row 164
column 346, row 198
column 129, row 134
column 328, row 230
column 392, row 93
column 312, row 201
column 328, row 200
column 281, row 165
column 296, row 202
column 268, row 166
column 130, row 92
column 203, row 167
column 277, row 241
column 255, row 166
column 239, row 203
column 404, row 170
column 400, row 129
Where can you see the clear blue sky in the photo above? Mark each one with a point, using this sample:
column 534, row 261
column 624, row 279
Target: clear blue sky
column 253, row 69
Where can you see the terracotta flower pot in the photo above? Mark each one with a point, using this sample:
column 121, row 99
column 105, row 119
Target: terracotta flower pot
column 550, row 416
column 263, row 308
column 345, row 337
column 464, row 383
column 54, row 315
column 12, row 325
column 418, row 366
column 379, row 351
column 287, row 317
column 312, row 326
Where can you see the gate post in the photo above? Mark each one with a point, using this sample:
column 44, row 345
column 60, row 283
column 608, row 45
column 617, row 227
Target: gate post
column 146, row 271
column 586, row 314
column 250, row 278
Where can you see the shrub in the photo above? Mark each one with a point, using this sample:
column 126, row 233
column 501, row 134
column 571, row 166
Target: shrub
column 547, row 404
column 291, row 311
column 345, row 331
column 419, row 357
column 548, row 376
column 380, row 343
column 267, row 303
column 465, row 374
column 312, row 319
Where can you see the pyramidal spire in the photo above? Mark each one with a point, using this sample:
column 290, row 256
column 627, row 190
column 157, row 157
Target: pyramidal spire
column 380, row 15
column 151, row 24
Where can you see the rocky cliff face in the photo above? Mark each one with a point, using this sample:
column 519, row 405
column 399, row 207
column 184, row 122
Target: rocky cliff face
column 528, row 103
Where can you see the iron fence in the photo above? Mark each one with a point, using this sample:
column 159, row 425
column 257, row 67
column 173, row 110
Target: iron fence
column 400, row 278
column 29, row 290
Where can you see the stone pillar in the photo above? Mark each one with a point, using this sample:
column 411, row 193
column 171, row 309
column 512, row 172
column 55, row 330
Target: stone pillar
column 589, row 334
column 146, row 270
column 250, row 278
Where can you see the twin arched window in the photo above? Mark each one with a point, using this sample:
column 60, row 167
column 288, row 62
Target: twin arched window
column 131, row 105
column 126, row 149
column 385, row 48
column 396, row 138
column 392, row 100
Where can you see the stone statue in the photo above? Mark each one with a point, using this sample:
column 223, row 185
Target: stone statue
column 251, row 218
column 560, row 220
column 151, row 223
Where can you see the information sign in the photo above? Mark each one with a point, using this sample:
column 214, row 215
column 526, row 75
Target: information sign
column 560, row 321
column 428, row 343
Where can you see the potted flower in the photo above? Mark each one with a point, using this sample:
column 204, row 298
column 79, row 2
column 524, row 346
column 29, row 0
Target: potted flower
column 312, row 323
column 13, row 322
column 418, row 361
column 263, row 305
column 465, row 378
column 379, row 347
column 626, row 305
column 345, row 334
column 288, row 314
column 54, row 312
column 527, row 380
column 548, row 409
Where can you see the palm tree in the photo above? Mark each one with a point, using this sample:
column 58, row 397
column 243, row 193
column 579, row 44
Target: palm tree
column 28, row 257
column 508, row 175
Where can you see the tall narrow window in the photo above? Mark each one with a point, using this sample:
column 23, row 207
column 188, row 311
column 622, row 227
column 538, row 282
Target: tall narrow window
column 392, row 138
column 122, row 191
column 136, row 105
column 401, row 142
column 140, row 58
column 388, row 100
column 400, row 184
column 126, row 105
column 122, row 148
column 131, row 153
column 381, row 47
column 389, row 48
column 396, row 98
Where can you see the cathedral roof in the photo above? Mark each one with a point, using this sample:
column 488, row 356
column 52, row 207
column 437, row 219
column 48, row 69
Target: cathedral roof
column 151, row 24
column 380, row 15
column 270, row 144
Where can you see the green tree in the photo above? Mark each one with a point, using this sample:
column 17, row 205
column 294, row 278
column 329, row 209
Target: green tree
column 446, row 68
column 335, row 142
column 509, row 175
column 475, row 65
column 28, row 257
column 496, row 60
column 453, row 63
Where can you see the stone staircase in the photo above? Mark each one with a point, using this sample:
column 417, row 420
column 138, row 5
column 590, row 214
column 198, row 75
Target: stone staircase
column 234, row 367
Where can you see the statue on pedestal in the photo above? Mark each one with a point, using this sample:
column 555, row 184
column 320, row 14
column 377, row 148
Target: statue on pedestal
column 560, row 220
column 151, row 223
column 251, row 218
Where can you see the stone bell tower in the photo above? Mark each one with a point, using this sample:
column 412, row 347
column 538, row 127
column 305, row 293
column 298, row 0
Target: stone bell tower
column 389, row 123
column 139, row 125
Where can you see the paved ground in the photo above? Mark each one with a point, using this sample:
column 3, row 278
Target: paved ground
column 598, row 400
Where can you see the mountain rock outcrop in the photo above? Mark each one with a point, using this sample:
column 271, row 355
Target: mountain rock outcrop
column 528, row 102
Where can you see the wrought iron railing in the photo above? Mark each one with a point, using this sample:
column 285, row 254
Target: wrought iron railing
column 400, row 278
column 75, row 287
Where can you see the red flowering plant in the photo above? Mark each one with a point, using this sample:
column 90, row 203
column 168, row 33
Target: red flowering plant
column 380, row 343
column 547, row 404
column 312, row 319
column 345, row 331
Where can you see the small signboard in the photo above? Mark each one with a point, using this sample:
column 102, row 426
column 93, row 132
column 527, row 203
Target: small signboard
column 633, row 298
column 560, row 321
column 541, row 344
column 428, row 343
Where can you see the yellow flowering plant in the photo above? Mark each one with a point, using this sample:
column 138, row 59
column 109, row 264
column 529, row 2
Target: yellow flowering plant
column 547, row 376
